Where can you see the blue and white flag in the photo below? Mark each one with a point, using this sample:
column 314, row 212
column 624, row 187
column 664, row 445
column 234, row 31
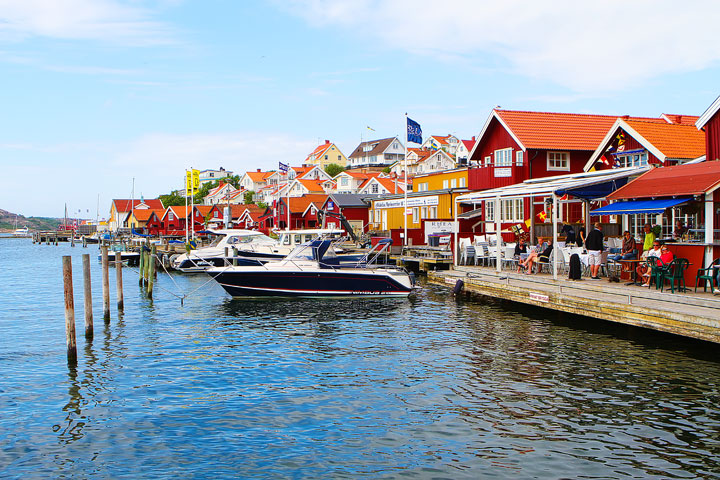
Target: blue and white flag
column 282, row 167
column 414, row 132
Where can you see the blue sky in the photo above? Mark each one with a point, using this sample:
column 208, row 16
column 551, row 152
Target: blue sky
column 98, row 92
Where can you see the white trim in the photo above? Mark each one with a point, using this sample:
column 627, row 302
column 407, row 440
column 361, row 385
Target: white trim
column 557, row 169
column 485, row 127
column 708, row 114
column 620, row 123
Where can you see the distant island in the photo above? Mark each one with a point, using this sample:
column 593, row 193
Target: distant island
column 8, row 221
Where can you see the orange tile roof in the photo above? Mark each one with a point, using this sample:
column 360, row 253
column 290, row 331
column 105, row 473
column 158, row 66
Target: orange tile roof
column 568, row 131
column 204, row 209
column 441, row 140
column 181, row 211
column 259, row 176
column 123, row 204
column 143, row 215
column 312, row 185
column 681, row 119
column 673, row 140
column 319, row 151
column 299, row 204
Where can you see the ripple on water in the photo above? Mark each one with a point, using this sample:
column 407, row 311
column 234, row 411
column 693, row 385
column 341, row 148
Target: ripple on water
column 429, row 386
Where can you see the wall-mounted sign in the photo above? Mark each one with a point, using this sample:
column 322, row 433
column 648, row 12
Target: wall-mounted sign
column 503, row 172
column 411, row 202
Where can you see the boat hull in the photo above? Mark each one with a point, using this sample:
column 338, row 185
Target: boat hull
column 332, row 283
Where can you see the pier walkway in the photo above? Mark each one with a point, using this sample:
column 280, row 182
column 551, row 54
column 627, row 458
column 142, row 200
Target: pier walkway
column 695, row 315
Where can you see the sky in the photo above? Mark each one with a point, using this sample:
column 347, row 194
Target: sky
column 101, row 95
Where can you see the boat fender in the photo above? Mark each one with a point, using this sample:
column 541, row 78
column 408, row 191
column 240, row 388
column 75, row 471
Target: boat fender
column 458, row 287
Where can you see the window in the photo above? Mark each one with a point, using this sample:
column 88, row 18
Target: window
column 215, row 214
column 377, row 216
column 339, row 158
column 416, row 214
column 503, row 157
column 374, row 188
column 423, row 212
column 432, row 212
column 326, row 157
column 344, row 181
column 636, row 159
column 519, row 158
column 453, row 183
column 490, row 210
column 462, row 182
column 171, row 217
column 488, row 160
column 512, row 210
column 446, row 184
column 558, row 161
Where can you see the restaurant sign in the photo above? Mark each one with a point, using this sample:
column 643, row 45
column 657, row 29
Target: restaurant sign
column 503, row 172
column 411, row 202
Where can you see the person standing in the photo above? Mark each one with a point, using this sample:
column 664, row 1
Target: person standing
column 649, row 238
column 580, row 238
column 569, row 233
column 594, row 245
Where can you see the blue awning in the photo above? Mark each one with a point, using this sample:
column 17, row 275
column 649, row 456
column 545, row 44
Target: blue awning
column 640, row 206
column 591, row 191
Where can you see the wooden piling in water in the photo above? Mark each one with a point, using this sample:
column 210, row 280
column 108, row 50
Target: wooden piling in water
column 118, row 281
column 106, row 284
column 141, row 266
column 235, row 254
column 69, row 310
column 151, row 271
column 88, row 296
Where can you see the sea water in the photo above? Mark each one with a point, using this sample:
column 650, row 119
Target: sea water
column 426, row 387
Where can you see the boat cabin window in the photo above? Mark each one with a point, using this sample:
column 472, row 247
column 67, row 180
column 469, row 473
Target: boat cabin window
column 297, row 239
column 308, row 237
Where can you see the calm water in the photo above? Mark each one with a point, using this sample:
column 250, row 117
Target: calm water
column 429, row 387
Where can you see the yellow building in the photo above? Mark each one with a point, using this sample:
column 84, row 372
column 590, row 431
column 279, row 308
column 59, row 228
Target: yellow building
column 455, row 178
column 326, row 154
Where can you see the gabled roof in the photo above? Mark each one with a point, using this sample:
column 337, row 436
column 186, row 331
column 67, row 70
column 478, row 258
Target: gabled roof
column 124, row 204
column 469, row 144
column 664, row 140
column 144, row 214
column 312, row 185
column 359, row 175
column 299, row 204
column 300, row 171
column 180, row 211
column 204, row 209
column 679, row 180
column 387, row 183
column 708, row 114
column 258, row 176
column 349, row 200
column 319, row 151
column 378, row 147
column 222, row 185
column 442, row 140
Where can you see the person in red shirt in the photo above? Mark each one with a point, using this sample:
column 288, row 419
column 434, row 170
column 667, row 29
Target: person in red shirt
column 666, row 255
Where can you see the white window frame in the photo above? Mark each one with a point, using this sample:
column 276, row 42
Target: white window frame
column 423, row 212
column 446, row 184
column 432, row 212
column 503, row 157
column 488, row 161
column 462, row 182
column 489, row 210
column 519, row 158
column 416, row 214
column 453, row 183
column 551, row 157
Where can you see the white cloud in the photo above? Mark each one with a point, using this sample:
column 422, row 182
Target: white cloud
column 105, row 20
column 586, row 46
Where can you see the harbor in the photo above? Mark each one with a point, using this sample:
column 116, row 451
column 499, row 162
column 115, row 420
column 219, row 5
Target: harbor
column 360, row 388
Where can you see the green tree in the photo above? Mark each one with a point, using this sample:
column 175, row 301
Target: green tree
column 172, row 199
column 204, row 189
column 248, row 198
column 333, row 169
column 386, row 170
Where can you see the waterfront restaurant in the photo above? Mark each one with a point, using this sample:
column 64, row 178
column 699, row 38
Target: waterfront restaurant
column 686, row 193
column 477, row 209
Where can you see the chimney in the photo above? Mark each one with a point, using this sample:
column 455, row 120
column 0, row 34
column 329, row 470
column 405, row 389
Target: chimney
column 258, row 169
column 327, row 142
column 473, row 139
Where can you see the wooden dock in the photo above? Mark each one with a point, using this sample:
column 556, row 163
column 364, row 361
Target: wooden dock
column 695, row 315
column 424, row 259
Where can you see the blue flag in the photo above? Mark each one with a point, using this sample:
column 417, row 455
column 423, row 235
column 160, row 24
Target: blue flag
column 282, row 167
column 414, row 133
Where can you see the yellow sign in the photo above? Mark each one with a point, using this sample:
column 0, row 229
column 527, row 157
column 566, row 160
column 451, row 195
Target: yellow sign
column 192, row 181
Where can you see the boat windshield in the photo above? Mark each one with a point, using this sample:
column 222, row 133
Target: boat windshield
column 254, row 238
column 315, row 250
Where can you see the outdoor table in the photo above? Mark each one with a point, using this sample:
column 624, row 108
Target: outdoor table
column 634, row 262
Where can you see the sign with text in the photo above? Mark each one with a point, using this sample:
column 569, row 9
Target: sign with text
column 503, row 172
column 411, row 202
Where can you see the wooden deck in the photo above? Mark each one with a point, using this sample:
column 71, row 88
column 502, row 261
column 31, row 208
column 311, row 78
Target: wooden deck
column 689, row 314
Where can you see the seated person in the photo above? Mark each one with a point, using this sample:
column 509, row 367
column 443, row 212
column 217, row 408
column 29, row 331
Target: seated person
column 627, row 252
column 520, row 247
column 536, row 257
column 679, row 231
column 643, row 270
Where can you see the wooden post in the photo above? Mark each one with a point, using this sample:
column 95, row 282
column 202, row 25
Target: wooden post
column 72, row 240
column 146, row 269
column 234, row 262
column 69, row 310
column 88, row 296
column 151, row 271
column 141, row 265
column 119, row 281
column 106, row 284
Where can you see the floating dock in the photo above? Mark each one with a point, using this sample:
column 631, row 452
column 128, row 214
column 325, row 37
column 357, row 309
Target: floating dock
column 695, row 315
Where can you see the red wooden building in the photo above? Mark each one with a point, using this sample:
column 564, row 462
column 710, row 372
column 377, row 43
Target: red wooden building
column 174, row 219
column 301, row 211
column 709, row 122
column 355, row 208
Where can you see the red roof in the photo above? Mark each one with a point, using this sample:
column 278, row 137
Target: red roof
column 673, row 140
column 680, row 180
column 123, row 204
column 144, row 214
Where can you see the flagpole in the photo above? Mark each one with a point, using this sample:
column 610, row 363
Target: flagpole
column 187, row 237
column 192, row 204
column 405, row 185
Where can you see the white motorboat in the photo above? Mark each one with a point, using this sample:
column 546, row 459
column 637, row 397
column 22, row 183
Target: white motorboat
column 314, row 270
column 244, row 247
